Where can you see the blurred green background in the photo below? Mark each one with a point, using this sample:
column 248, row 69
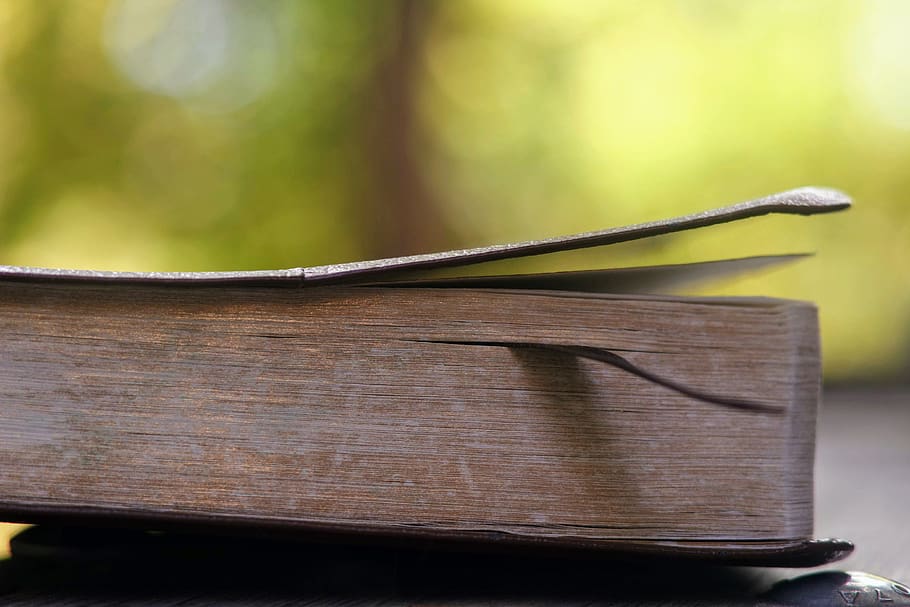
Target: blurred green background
column 242, row 134
column 238, row 134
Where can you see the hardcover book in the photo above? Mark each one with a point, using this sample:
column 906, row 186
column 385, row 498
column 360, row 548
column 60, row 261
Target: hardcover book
column 564, row 411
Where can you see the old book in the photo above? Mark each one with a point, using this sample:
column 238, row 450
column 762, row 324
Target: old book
column 560, row 411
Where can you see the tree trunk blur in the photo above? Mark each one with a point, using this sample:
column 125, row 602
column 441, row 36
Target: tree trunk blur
column 401, row 216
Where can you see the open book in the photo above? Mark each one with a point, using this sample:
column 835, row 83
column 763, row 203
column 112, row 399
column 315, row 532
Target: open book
column 573, row 410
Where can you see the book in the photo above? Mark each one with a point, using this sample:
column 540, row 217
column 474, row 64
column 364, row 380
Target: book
column 566, row 411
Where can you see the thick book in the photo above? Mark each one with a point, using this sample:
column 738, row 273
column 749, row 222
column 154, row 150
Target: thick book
column 566, row 411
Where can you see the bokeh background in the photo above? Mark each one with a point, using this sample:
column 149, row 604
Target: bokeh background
column 244, row 134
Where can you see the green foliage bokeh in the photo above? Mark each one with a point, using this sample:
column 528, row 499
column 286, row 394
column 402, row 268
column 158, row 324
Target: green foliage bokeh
column 122, row 147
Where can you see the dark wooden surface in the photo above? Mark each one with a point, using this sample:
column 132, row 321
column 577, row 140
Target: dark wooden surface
column 863, row 494
column 863, row 478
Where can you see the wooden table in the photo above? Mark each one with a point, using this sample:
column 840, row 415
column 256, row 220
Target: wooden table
column 863, row 494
